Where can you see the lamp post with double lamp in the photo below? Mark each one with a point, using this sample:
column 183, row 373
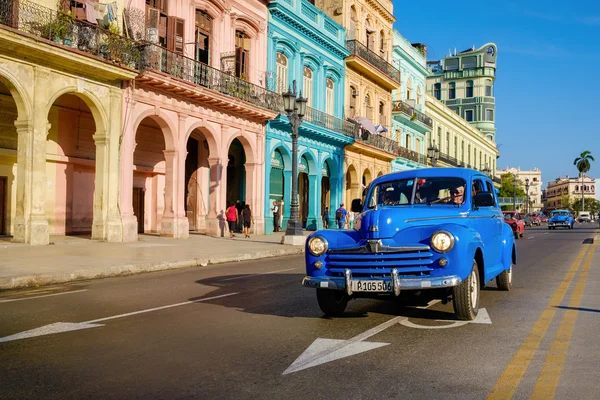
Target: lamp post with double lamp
column 433, row 153
column 527, row 195
column 295, row 108
column 515, row 192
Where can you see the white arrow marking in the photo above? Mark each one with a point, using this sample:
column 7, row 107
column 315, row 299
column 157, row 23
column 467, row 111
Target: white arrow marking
column 482, row 318
column 322, row 351
column 44, row 295
column 59, row 327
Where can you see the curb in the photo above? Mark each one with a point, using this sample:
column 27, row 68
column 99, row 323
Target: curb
column 19, row 282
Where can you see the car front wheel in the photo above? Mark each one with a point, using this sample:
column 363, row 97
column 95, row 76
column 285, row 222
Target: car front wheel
column 504, row 280
column 332, row 302
column 466, row 296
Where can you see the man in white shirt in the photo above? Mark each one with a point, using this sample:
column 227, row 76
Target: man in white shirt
column 275, row 210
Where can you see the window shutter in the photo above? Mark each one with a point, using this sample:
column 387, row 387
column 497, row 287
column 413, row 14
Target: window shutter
column 152, row 16
column 179, row 35
column 171, row 29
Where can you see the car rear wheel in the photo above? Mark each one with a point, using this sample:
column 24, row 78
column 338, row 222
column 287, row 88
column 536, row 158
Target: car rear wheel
column 332, row 302
column 465, row 297
column 516, row 234
column 504, row 280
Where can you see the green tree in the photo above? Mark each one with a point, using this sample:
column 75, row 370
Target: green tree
column 508, row 187
column 583, row 165
column 565, row 202
column 592, row 204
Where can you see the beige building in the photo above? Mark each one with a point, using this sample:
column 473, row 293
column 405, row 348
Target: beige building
column 460, row 143
column 557, row 191
column 531, row 182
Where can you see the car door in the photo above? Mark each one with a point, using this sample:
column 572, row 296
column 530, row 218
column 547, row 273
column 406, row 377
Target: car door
column 488, row 222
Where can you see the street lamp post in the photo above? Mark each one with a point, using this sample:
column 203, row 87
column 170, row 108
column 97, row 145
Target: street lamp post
column 295, row 109
column 487, row 170
column 527, row 195
column 515, row 192
column 433, row 153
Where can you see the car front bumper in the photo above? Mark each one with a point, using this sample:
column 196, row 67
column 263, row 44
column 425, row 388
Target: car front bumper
column 561, row 223
column 398, row 283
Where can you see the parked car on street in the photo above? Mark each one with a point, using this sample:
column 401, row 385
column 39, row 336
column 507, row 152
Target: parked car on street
column 527, row 221
column 561, row 219
column 584, row 216
column 544, row 219
column 536, row 219
column 513, row 219
column 438, row 230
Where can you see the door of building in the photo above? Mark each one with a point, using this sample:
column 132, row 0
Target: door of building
column 2, row 204
column 138, row 207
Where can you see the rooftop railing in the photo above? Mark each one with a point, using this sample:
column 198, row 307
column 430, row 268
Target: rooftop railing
column 159, row 59
column 405, row 108
column 61, row 27
column 359, row 49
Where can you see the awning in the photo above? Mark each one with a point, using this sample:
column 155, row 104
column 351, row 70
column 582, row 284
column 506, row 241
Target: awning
column 366, row 124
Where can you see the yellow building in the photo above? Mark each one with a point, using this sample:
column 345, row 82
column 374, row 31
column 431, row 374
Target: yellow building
column 460, row 144
column 370, row 79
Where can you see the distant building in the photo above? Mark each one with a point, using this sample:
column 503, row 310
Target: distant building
column 534, row 190
column 465, row 83
column 557, row 190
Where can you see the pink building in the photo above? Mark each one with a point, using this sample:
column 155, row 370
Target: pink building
column 194, row 120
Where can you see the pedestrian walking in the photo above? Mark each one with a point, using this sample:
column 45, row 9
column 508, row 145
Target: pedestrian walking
column 341, row 216
column 326, row 218
column 276, row 214
column 239, row 207
column 232, row 218
column 246, row 219
column 351, row 219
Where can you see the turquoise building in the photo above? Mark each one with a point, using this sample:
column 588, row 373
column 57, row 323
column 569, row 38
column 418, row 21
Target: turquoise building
column 308, row 47
column 409, row 122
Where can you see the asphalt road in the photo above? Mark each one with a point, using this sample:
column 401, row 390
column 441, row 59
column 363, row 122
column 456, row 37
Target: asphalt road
column 242, row 330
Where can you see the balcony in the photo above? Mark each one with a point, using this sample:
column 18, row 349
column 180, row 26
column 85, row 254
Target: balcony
column 449, row 160
column 381, row 142
column 65, row 32
column 160, row 60
column 412, row 155
column 412, row 117
column 324, row 120
column 372, row 65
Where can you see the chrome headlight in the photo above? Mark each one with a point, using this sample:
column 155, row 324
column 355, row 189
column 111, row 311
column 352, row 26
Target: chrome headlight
column 442, row 241
column 317, row 245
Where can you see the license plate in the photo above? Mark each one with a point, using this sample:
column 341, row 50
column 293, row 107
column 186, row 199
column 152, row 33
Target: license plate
column 371, row 286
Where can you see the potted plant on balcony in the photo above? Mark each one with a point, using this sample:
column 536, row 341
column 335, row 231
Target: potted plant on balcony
column 59, row 29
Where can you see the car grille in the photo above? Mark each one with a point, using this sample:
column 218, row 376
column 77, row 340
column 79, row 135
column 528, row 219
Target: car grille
column 408, row 260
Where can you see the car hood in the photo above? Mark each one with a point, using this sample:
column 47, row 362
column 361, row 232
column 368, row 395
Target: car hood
column 385, row 222
column 559, row 218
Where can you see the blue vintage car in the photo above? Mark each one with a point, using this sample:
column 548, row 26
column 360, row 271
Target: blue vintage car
column 561, row 219
column 417, row 230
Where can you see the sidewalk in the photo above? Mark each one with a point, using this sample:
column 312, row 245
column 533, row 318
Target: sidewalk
column 73, row 258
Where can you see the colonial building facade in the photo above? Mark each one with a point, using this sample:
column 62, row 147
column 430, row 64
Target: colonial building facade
column 307, row 48
column 531, row 182
column 465, row 83
column 562, row 192
column 409, row 122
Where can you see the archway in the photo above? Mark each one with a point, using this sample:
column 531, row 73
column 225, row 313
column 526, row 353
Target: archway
column 303, row 190
column 70, row 167
column 197, row 181
column 326, row 186
column 149, row 170
column 236, row 176
column 8, row 160
column 366, row 179
column 351, row 185
column 277, row 186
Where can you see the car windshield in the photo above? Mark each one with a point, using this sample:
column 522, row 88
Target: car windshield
column 431, row 191
column 509, row 216
column 561, row 213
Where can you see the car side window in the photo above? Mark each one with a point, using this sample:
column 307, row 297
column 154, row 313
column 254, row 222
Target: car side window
column 492, row 190
column 477, row 187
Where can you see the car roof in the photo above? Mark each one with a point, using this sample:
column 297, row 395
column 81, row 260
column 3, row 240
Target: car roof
column 464, row 173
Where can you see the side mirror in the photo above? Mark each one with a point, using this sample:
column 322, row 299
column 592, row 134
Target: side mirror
column 484, row 199
column 356, row 206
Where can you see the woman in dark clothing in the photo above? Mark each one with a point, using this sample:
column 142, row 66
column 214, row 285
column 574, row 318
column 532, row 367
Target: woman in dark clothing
column 246, row 219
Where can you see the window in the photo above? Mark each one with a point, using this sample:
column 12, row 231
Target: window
column 418, row 145
column 175, row 29
column 353, row 94
column 368, row 107
column 242, row 55
column 407, row 142
column 437, row 91
column 329, row 96
column 488, row 87
column 382, row 44
column 370, row 36
column 451, row 64
column 418, row 95
column 308, row 86
column 469, row 89
column 282, row 73
column 469, row 115
column 203, row 36
column 462, row 151
column 381, row 113
column 469, row 62
column 440, row 138
column 352, row 34
column 447, row 142
column 489, row 115
column 469, row 155
column 408, row 89
column 452, row 90
column 456, row 148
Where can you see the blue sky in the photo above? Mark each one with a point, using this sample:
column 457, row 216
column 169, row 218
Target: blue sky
column 548, row 62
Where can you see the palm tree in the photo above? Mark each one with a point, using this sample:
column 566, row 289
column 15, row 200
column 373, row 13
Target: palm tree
column 583, row 165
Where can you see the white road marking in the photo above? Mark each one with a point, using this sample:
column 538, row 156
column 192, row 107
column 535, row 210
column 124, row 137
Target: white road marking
column 265, row 273
column 59, row 327
column 530, row 237
column 325, row 350
column 44, row 295
column 482, row 318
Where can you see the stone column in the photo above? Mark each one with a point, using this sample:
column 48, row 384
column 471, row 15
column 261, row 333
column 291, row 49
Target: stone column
column 254, row 175
column 167, row 224
column 287, row 197
column 216, row 221
column 100, row 186
column 127, row 149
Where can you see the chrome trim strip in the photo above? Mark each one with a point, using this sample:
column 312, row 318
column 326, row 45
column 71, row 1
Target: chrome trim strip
column 404, row 283
column 381, row 249
column 396, row 282
column 348, row 280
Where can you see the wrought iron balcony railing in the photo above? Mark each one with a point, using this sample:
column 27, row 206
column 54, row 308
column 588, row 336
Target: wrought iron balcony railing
column 159, row 59
column 412, row 155
column 448, row 159
column 328, row 121
column 381, row 142
column 62, row 28
column 410, row 111
column 359, row 49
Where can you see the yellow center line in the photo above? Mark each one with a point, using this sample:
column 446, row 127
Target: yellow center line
column 545, row 387
column 513, row 373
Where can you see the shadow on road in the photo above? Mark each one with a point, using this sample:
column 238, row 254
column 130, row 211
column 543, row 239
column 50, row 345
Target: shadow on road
column 579, row 309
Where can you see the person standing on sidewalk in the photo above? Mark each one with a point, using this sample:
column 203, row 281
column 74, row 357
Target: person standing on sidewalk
column 275, row 210
column 246, row 219
column 341, row 216
column 326, row 218
column 232, row 217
